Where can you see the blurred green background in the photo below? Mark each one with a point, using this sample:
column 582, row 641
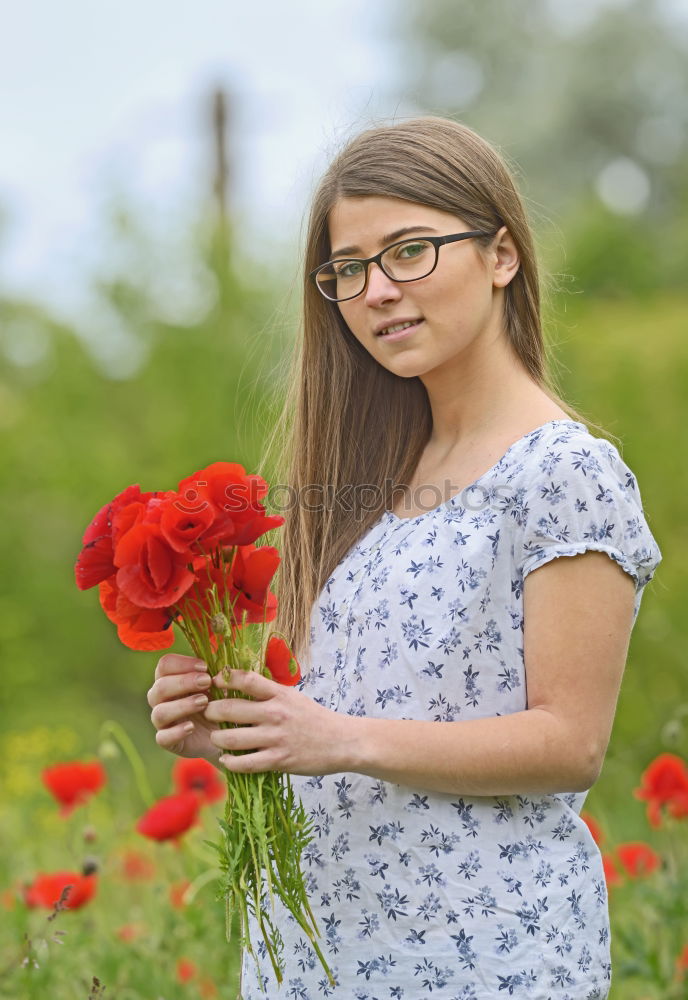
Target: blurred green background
column 594, row 119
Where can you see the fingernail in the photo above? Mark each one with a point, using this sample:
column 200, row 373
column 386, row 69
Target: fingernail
column 201, row 700
column 200, row 665
column 203, row 680
column 188, row 728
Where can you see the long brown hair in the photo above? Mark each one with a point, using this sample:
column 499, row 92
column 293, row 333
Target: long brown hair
column 341, row 413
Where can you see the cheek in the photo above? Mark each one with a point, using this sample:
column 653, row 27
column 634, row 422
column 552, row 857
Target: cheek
column 353, row 320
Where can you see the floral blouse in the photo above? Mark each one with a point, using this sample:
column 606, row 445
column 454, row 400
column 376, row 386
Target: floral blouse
column 419, row 893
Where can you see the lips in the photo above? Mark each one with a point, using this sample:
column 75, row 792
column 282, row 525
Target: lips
column 382, row 328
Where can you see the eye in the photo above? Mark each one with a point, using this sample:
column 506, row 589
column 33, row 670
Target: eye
column 412, row 249
column 347, row 268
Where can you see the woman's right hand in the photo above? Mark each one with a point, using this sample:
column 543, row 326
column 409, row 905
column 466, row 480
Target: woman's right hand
column 178, row 698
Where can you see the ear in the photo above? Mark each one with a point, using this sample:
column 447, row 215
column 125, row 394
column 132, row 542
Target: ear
column 505, row 259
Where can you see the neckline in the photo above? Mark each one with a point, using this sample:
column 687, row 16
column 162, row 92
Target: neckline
column 395, row 519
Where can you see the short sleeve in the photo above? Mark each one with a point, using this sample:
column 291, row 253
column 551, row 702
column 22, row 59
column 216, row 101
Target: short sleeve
column 584, row 497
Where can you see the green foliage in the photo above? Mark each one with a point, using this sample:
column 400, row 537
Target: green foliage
column 131, row 935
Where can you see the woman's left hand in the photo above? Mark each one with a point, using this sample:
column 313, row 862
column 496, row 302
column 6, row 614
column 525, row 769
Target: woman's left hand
column 285, row 729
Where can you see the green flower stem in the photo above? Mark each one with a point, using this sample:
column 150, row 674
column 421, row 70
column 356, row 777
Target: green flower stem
column 265, row 828
column 117, row 732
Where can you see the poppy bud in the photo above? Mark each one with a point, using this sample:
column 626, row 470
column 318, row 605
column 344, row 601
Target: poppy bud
column 90, row 866
column 246, row 659
column 219, row 624
column 108, row 750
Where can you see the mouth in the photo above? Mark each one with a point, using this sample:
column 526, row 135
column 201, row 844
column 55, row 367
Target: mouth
column 395, row 331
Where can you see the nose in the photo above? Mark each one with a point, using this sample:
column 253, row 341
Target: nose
column 380, row 288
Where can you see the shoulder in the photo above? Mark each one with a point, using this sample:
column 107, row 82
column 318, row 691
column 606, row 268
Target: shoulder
column 578, row 493
column 569, row 449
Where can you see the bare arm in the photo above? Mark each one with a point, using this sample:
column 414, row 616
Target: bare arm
column 578, row 614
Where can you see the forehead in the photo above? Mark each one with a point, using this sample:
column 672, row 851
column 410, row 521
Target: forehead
column 365, row 221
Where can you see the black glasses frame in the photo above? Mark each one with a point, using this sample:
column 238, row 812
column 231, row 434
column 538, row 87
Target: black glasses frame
column 437, row 242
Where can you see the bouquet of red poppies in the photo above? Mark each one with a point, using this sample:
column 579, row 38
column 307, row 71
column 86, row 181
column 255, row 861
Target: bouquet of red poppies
column 187, row 557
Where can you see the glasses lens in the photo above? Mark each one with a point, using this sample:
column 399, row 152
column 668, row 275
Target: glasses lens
column 409, row 260
column 341, row 279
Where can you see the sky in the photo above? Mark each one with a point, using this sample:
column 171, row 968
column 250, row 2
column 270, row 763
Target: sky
column 103, row 99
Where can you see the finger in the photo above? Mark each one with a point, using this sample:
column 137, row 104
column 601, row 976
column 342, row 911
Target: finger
column 237, row 710
column 176, row 686
column 242, row 738
column 167, row 713
column 249, row 682
column 174, row 735
column 250, row 763
column 175, row 663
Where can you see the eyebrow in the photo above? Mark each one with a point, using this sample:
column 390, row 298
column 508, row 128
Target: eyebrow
column 388, row 238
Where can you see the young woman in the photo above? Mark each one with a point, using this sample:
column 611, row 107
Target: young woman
column 459, row 678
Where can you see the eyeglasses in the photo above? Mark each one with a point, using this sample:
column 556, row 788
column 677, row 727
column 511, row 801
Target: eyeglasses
column 407, row 260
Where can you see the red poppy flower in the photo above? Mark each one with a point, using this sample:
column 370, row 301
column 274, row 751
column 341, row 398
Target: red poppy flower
column 664, row 783
column 682, row 964
column 137, row 628
column 151, row 573
column 281, row 662
column 46, row 890
column 678, row 807
column 129, row 932
column 611, row 872
column 8, row 898
column 181, row 525
column 195, row 774
column 186, row 970
column 137, row 867
column 252, row 570
column 177, row 890
column 95, row 561
column 593, row 826
column 73, row 782
column 242, row 587
column 638, row 859
column 240, row 518
column 207, row 988
column 170, row 817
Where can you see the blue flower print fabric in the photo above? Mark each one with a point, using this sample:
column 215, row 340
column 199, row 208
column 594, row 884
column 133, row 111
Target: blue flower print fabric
column 418, row 893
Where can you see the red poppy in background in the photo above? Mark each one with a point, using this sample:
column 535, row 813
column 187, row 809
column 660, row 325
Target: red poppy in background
column 611, row 872
column 170, row 817
column 137, row 867
column 73, row 782
column 177, row 890
column 682, row 965
column 8, row 897
column 129, row 932
column 638, row 859
column 664, row 783
column 195, row 774
column 593, row 826
column 280, row 661
column 186, row 970
column 45, row 890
